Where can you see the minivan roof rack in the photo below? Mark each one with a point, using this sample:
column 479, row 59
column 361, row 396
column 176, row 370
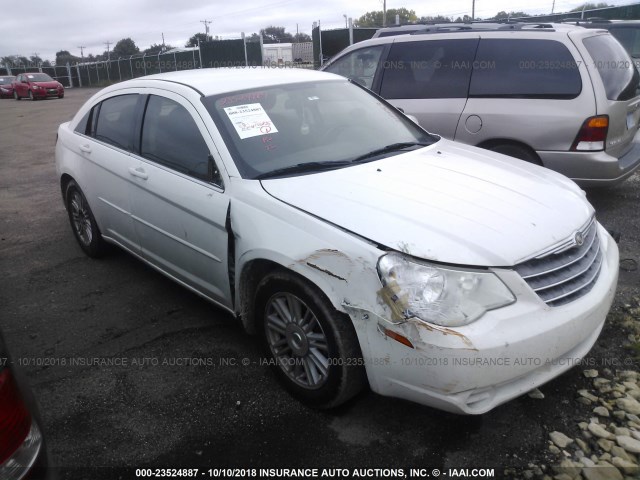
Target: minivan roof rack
column 582, row 21
column 477, row 26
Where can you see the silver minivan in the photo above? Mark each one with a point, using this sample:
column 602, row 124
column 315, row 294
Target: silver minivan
column 557, row 95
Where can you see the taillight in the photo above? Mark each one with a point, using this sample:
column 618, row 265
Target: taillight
column 592, row 135
column 15, row 419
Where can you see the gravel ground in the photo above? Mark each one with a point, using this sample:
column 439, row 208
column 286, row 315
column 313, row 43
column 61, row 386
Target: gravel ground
column 58, row 306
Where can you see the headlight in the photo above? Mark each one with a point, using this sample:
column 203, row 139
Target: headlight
column 437, row 294
column 35, row 87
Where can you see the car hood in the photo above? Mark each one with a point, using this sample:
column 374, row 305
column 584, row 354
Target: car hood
column 447, row 202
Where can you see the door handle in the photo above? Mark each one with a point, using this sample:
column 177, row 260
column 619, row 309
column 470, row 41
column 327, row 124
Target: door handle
column 138, row 172
column 85, row 148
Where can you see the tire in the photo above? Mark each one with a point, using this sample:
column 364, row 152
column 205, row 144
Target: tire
column 16, row 96
column 83, row 223
column 60, row 96
column 31, row 97
column 517, row 151
column 312, row 348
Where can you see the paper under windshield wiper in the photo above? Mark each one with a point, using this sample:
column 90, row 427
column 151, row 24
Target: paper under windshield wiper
column 302, row 168
column 390, row 148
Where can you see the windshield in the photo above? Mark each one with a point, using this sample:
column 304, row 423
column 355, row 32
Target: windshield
column 39, row 77
column 307, row 127
column 6, row 79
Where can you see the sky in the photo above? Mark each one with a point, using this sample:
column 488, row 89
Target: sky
column 69, row 24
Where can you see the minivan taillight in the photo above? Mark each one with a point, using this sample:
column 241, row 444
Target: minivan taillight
column 15, row 419
column 592, row 135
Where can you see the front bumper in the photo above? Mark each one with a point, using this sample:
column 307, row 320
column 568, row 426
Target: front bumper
column 505, row 354
column 47, row 92
column 593, row 169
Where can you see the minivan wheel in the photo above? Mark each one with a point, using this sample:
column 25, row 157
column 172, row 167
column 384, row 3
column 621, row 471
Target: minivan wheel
column 517, row 151
column 312, row 348
column 83, row 223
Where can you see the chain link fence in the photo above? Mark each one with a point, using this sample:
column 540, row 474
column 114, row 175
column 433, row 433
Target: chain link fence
column 213, row 54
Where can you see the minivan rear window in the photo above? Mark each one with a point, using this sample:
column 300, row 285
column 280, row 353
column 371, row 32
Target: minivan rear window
column 524, row 68
column 629, row 38
column 618, row 74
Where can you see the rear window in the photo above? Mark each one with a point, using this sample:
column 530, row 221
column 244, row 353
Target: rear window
column 618, row 74
column 429, row 69
column 629, row 38
column 521, row 68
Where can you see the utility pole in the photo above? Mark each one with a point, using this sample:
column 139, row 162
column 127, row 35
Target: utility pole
column 206, row 27
column 82, row 47
column 384, row 13
column 163, row 42
column 35, row 54
column 473, row 10
column 553, row 6
column 108, row 52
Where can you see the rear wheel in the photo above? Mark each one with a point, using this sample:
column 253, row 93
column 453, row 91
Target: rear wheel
column 517, row 151
column 83, row 223
column 312, row 347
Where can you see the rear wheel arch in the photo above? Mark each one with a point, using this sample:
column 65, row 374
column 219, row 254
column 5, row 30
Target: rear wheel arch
column 83, row 223
column 512, row 148
column 64, row 183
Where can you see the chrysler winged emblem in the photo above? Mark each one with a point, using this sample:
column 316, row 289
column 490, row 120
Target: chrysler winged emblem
column 579, row 239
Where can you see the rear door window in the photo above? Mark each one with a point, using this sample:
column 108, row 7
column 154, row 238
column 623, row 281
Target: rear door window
column 523, row 68
column 429, row 69
column 618, row 74
column 116, row 121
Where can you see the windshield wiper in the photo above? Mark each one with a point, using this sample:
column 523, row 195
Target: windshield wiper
column 389, row 148
column 302, row 168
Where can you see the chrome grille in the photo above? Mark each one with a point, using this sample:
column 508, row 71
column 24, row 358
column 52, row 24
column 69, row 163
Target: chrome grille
column 566, row 274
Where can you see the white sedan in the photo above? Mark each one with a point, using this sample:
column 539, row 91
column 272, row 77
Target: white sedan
column 361, row 248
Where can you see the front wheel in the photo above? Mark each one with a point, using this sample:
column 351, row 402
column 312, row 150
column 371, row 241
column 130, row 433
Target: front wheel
column 16, row 96
column 83, row 223
column 31, row 97
column 312, row 347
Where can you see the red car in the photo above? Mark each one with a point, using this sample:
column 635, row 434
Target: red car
column 23, row 451
column 35, row 86
column 6, row 88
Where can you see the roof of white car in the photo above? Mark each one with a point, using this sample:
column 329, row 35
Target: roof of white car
column 213, row 81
